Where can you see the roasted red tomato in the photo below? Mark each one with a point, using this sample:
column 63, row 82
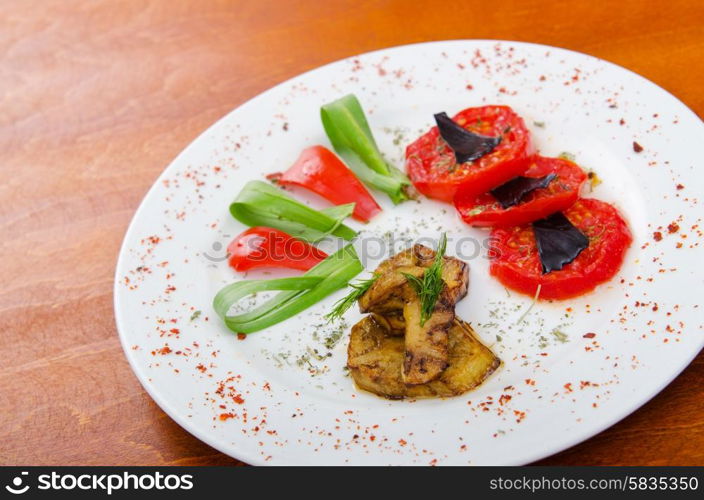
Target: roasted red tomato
column 560, row 193
column 267, row 247
column 431, row 163
column 318, row 169
column 515, row 261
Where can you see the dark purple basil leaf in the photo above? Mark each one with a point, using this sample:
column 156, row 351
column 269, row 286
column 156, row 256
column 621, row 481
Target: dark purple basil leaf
column 559, row 242
column 512, row 192
column 467, row 145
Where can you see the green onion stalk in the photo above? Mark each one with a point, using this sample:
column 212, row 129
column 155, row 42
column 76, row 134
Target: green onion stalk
column 296, row 294
column 261, row 204
column 347, row 128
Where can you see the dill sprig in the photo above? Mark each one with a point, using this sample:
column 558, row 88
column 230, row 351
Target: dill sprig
column 358, row 289
column 535, row 299
column 429, row 287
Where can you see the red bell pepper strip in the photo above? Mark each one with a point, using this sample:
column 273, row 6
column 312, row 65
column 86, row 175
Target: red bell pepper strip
column 267, row 247
column 319, row 170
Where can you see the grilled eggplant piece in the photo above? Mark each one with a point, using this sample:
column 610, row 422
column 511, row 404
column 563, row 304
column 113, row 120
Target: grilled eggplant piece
column 390, row 291
column 390, row 296
column 455, row 273
column 426, row 345
column 375, row 358
column 393, row 322
column 405, row 258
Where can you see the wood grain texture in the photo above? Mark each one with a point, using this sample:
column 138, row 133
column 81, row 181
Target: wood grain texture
column 96, row 98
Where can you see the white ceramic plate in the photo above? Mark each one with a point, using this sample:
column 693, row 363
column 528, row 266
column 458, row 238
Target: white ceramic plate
column 261, row 401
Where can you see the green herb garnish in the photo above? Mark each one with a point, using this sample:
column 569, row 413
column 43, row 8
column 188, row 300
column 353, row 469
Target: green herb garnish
column 566, row 155
column 342, row 305
column 559, row 335
column 315, row 354
column 594, row 180
column 195, row 315
column 535, row 299
column 428, row 287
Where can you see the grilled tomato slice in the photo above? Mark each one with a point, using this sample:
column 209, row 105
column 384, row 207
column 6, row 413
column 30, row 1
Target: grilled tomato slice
column 559, row 194
column 515, row 261
column 434, row 171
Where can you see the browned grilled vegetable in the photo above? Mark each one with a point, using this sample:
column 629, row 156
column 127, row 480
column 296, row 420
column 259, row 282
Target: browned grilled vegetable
column 395, row 303
column 393, row 322
column 375, row 360
column 390, row 291
column 426, row 345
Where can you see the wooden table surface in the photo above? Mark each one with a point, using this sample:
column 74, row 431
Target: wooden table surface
column 96, row 98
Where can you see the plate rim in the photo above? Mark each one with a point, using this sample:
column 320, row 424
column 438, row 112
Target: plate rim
column 177, row 415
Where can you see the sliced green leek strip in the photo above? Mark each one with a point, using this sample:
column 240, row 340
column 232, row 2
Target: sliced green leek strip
column 297, row 294
column 347, row 128
column 260, row 204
